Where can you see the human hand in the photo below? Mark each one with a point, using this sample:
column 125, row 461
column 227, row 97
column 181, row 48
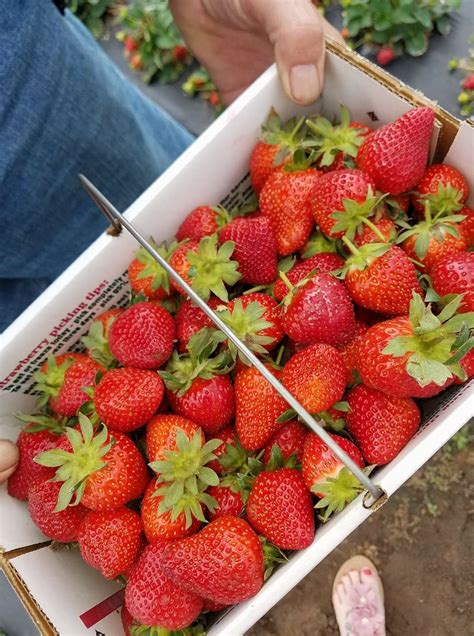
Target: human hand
column 236, row 40
column 8, row 459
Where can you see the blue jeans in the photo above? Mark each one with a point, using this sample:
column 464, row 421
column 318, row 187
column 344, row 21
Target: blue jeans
column 64, row 109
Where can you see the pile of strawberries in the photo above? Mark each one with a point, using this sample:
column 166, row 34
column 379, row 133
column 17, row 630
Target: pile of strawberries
column 173, row 463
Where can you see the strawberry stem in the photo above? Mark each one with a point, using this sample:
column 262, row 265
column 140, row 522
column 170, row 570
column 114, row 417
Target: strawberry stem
column 373, row 227
column 351, row 246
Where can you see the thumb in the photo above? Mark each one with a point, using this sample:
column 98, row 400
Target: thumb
column 8, row 459
column 296, row 29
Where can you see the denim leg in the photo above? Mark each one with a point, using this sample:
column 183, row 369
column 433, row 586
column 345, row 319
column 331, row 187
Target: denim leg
column 65, row 108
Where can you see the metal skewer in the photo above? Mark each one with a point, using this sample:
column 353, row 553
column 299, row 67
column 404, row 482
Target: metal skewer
column 117, row 219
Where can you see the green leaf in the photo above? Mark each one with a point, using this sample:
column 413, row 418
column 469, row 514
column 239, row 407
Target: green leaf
column 416, row 43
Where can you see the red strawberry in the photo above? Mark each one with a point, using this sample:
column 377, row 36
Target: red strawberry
column 395, row 155
column 381, row 425
column 316, row 377
column 202, row 221
column 454, row 274
column 443, row 187
column 385, row 55
column 349, row 353
column 466, row 226
column 142, row 336
column 126, row 398
column 206, row 267
column 136, row 62
column 190, row 319
column 179, row 52
column 429, row 242
column 161, row 434
column 281, row 509
column 109, row 541
column 130, row 43
column 285, row 200
column 197, row 384
column 153, row 599
column 319, row 310
column 229, row 502
column 255, row 249
column 334, row 145
column 212, row 606
column 276, row 147
column 289, row 439
column 410, row 356
column 468, row 82
column 257, row 408
column 341, row 200
column 60, row 526
column 222, row 562
column 61, row 381
column 146, row 275
column 323, row 263
column 467, row 364
column 160, row 525
column 103, row 471
column 97, row 338
column 41, row 434
column 326, row 476
column 254, row 318
column 381, row 277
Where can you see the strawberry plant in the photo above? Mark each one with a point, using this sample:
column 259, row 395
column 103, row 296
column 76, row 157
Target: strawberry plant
column 152, row 42
column 466, row 96
column 393, row 27
column 92, row 13
column 200, row 83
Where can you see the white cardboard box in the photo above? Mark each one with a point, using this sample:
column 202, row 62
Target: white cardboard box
column 58, row 587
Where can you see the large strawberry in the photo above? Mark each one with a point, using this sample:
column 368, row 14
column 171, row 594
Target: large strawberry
column 322, row 263
column 380, row 424
column 444, row 187
column 222, row 562
column 142, row 336
column 60, row 525
column 202, row 221
column 342, row 200
column 254, row 318
column 381, row 277
column 190, row 319
column 280, row 508
column 103, row 471
column 319, row 310
column 198, row 386
column 395, row 155
column 289, row 439
column 97, row 338
column 161, row 525
column 327, row 477
column 127, row 398
column 40, row 434
column 334, row 145
column 454, row 274
column 285, row 200
column 109, row 541
column 153, row 599
column 206, row 267
column 61, row 381
column 146, row 275
column 316, row 377
column 255, row 248
column 415, row 355
column 276, row 146
column 257, row 408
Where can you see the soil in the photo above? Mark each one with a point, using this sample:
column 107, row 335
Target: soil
column 422, row 542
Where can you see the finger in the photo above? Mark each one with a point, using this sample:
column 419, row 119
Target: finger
column 296, row 29
column 8, row 459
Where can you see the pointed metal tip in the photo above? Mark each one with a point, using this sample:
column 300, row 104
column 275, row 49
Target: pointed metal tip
column 111, row 214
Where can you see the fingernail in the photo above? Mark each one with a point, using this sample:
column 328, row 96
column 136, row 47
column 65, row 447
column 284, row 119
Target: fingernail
column 304, row 83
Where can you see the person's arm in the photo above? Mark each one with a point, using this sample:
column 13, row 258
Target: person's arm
column 8, row 459
column 236, row 40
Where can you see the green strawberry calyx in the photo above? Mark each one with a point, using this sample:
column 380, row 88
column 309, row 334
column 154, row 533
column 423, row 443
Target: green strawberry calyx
column 50, row 381
column 183, row 477
column 247, row 324
column 356, row 213
column 337, row 491
column 211, row 268
column 446, row 200
column 73, row 468
column 288, row 137
column 438, row 343
column 272, row 556
column 330, row 139
column 154, row 630
column 277, row 460
column 234, row 458
column 318, row 243
column 42, row 422
column 198, row 362
column 152, row 269
column 97, row 343
column 362, row 257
